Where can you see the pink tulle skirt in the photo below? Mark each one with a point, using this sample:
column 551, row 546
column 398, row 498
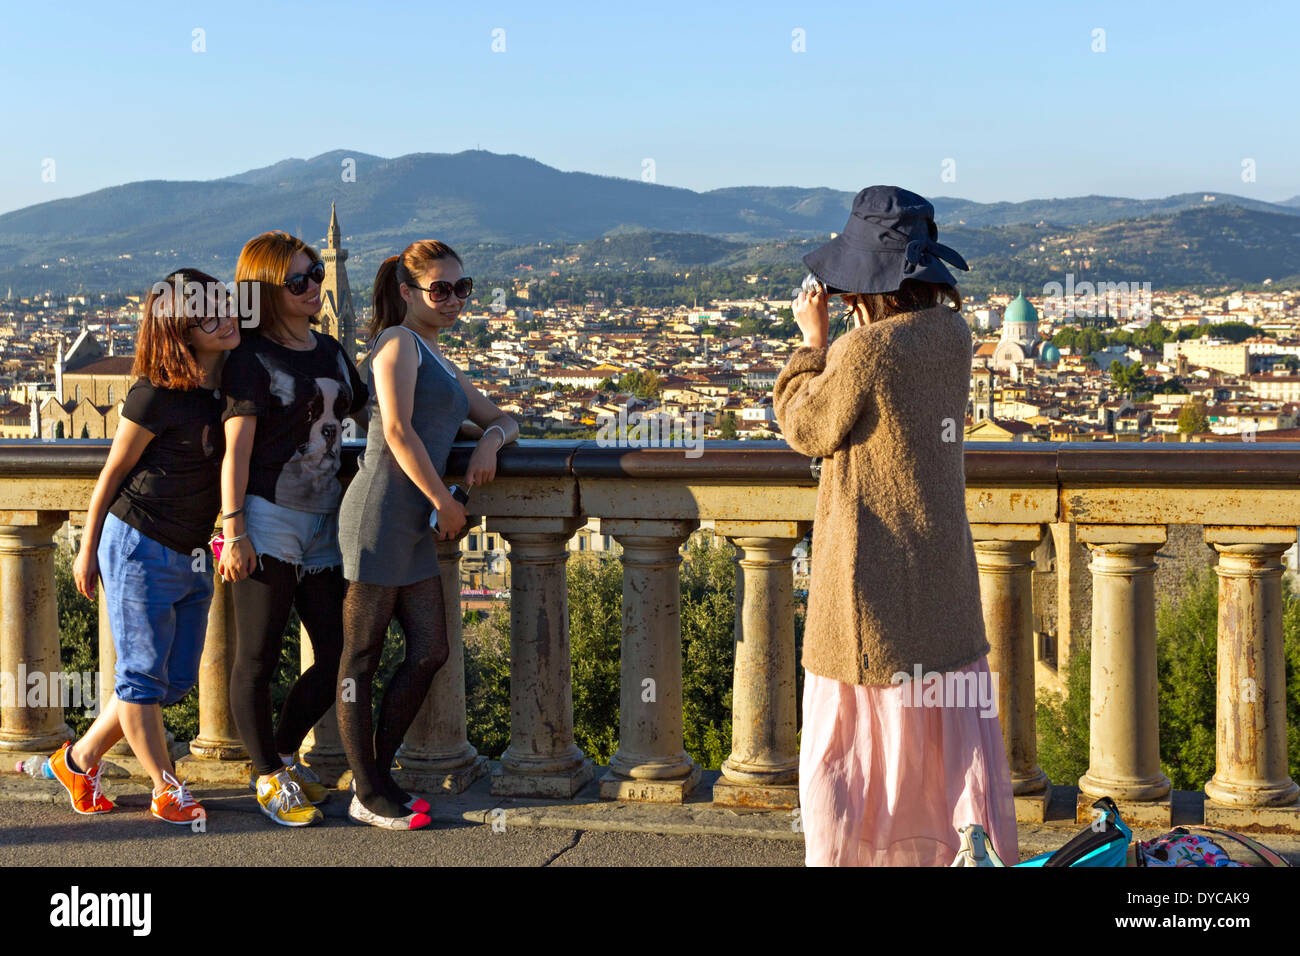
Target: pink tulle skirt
column 883, row 782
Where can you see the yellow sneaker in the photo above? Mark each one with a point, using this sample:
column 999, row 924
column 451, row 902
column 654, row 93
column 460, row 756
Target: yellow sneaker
column 283, row 801
column 306, row 778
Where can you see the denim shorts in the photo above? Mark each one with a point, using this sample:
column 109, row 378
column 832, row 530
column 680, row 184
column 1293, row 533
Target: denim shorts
column 308, row 541
column 158, row 611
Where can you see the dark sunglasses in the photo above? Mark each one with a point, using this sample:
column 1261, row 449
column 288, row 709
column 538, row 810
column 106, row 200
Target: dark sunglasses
column 440, row 290
column 297, row 283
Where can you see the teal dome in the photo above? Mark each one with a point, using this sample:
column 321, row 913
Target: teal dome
column 1020, row 310
column 1050, row 353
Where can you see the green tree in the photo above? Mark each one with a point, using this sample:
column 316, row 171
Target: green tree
column 1233, row 331
column 708, row 580
column 728, row 426
column 1192, row 419
column 641, row 384
column 595, row 586
column 487, row 681
column 1130, row 380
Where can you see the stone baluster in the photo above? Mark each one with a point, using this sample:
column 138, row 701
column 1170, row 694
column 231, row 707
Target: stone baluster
column 650, row 764
column 217, row 753
column 1004, row 554
column 1251, row 784
column 1124, row 732
column 29, row 634
column 436, row 754
column 542, row 759
column 763, row 768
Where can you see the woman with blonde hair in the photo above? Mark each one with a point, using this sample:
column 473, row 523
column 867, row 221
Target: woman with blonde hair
column 890, row 766
column 390, row 556
column 289, row 393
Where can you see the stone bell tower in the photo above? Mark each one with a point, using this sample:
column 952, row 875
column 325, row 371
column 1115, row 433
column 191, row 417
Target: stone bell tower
column 337, row 317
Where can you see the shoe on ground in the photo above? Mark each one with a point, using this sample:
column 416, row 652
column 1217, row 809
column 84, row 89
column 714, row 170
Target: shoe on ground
column 415, row 804
column 176, row 804
column 313, row 790
column 412, row 821
column 83, row 788
column 283, row 801
column 309, row 782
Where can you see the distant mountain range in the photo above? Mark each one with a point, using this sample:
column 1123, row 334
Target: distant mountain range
column 128, row 236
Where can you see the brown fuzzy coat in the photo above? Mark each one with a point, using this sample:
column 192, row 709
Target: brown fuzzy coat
column 894, row 581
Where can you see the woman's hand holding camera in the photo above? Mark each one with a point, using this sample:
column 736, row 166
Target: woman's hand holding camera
column 813, row 316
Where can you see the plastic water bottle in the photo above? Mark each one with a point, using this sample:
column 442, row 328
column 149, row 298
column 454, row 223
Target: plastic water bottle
column 38, row 767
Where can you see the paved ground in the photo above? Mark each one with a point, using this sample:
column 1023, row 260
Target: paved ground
column 38, row 828
column 34, row 834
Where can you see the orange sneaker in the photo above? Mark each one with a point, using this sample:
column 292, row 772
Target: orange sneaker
column 83, row 788
column 176, row 804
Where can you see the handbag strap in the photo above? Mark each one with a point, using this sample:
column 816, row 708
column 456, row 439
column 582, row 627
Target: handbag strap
column 1264, row 852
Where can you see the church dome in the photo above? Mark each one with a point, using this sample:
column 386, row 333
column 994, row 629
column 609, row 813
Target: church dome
column 1020, row 310
column 1050, row 353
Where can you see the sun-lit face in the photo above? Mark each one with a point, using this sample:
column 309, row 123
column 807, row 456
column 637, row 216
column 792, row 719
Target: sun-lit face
column 226, row 335
column 420, row 303
column 306, row 304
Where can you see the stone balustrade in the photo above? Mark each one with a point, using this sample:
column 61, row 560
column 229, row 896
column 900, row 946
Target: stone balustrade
column 1116, row 499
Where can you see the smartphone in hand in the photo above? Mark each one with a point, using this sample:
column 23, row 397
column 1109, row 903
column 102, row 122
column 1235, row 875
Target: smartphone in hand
column 459, row 494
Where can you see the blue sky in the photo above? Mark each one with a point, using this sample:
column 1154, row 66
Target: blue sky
column 713, row 93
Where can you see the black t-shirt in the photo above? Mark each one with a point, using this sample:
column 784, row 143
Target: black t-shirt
column 173, row 493
column 301, row 400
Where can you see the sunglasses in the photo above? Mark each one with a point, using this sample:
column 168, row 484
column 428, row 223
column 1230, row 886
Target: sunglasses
column 297, row 283
column 440, row 290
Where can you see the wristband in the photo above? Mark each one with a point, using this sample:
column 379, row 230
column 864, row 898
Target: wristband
column 238, row 537
column 235, row 513
column 498, row 428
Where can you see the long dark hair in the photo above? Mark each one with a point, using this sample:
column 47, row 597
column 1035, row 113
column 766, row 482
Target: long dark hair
column 389, row 307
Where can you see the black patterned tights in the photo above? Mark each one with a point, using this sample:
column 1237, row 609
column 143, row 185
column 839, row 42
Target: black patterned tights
column 367, row 611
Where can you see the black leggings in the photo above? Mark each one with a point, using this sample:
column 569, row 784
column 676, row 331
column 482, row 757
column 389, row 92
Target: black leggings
column 262, row 604
column 367, row 611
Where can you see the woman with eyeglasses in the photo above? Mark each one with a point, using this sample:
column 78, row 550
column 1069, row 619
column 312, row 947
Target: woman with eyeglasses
column 289, row 391
column 390, row 556
column 146, row 537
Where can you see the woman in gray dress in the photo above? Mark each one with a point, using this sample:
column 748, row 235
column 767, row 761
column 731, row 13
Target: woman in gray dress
column 390, row 557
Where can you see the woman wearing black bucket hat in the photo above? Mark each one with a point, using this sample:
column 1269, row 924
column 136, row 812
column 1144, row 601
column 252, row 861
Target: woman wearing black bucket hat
column 901, row 744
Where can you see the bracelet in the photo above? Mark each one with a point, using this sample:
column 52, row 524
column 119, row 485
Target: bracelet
column 238, row 537
column 498, row 428
column 235, row 513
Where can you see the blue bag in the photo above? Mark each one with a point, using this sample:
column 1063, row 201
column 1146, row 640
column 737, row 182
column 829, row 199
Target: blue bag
column 1104, row 843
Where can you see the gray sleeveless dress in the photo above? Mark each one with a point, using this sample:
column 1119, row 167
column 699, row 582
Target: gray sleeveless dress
column 384, row 519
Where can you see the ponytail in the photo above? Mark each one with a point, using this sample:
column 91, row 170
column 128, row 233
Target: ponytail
column 389, row 308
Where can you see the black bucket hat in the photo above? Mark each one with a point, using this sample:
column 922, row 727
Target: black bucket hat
column 890, row 236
